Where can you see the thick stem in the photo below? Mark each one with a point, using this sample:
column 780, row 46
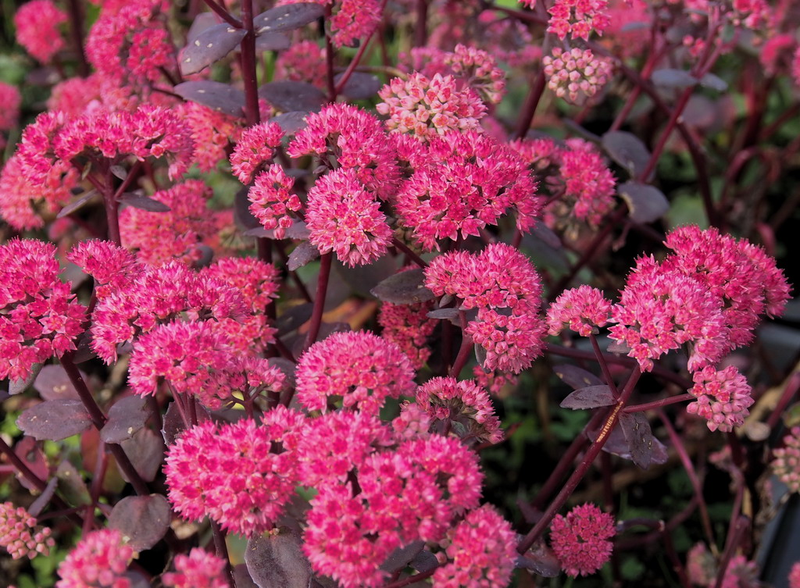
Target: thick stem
column 411, row 255
column 76, row 29
column 465, row 350
column 249, row 74
column 421, row 32
column 583, row 467
column 603, row 365
column 319, row 299
column 224, row 14
column 222, row 550
column 658, row 403
column 529, row 108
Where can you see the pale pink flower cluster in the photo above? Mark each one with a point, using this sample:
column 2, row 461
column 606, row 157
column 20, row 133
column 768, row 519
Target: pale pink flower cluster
column 723, row 397
column 462, row 182
column 701, row 568
column 578, row 18
column 408, row 327
column 586, row 180
column 76, row 96
column 11, row 99
column 175, row 234
column 211, row 132
column 241, row 475
column 427, row 107
column 480, row 71
column 39, row 316
column 21, row 202
column 256, row 146
column 576, row 75
column 481, row 552
column 580, row 309
column 360, row 367
column 100, row 559
column 37, row 23
column 700, row 565
column 352, row 20
column 20, row 535
column 302, row 62
column 272, row 201
column 461, row 407
column 786, row 460
column 344, row 217
column 502, row 284
column 199, row 569
column 582, row 539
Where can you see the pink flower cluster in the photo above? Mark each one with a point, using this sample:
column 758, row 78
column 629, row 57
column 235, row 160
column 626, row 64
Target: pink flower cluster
column 581, row 540
column 723, row 397
column 211, row 132
column 408, row 327
column 786, row 460
column 11, row 99
column 100, row 559
column 481, row 552
column 461, row 407
column 360, row 367
column 578, row 18
column 302, row 62
column 21, row 202
column 272, row 201
column 20, row 535
column 581, row 309
column 426, row 107
column 354, row 20
column 39, row 317
column 479, row 69
column 199, row 569
column 256, row 146
column 502, row 284
column 241, row 475
column 576, row 75
column 37, row 23
column 462, row 182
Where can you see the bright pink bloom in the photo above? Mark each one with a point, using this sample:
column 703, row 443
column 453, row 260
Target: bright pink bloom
column 241, row 475
column 353, row 139
column 255, row 147
column 576, row 75
column 199, row 569
column 360, row 367
column 113, row 268
column 413, row 422
column 20, row 534
column 461, row 407
column 776, row 53
column 38, row 162
column 581, row 540
column 495, row 381
column 175, row 234
column 723, row 397
column 581, row 309
column 37, row 23
column 336, row 444
column 481, row 552
column 39, row 317
column 343, row 217
column 302, row 62
column 10, row 98
column 579, row 17
column 661, row 309
column 538, row 154
column 100, row 559
column 272, row 201
column 408, row 327
column 211, row 132
column 464, row 182
column 786, row 462
column 21, row 201
column 355, row 20
column 700, row 566
column 794, row 576
column 429, row 107
column 76, row 96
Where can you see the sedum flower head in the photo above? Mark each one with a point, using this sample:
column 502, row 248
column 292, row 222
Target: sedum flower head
column 576, row 75
column 20, row 535
column 462, row 407
column 344, row 217
column 11, row 99
column 199, row 569
column 581, row 309
column 578, row 18
column 240, row 475
column 581, row 540
column 100, row 559
column 272, row 201
column 37, row 23
column 481, row 552
column 211, row 131
column 360, row 367
column 408, row 327
column 113, row 268
column 255, row 147
column 39, row 316
column 786, row 462
column 723, row 397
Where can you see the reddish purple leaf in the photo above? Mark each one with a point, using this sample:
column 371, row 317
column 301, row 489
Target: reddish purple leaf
column 293, row 318
column 291, row 122
column 216, row 95
column 143, row 202
column 287, row 17
column 616, row 444
column 628, row 150
column 402, row 556
column 41, row 503
column 30, row 453
column 53, row 383
column 576, row 377
column 673, row 78
column 277, row 560
column 125, row 418
column 242, row 576
column 360, row 85
column 272, row 42
column 210, row 46
column 146, row 451
column 19, row 386
column 639, row 437
column 646, row 204
column 144, row 520
column 71, row 484
column 202, row 22
column 302, row 255
column 77, row 204
column 55, row 420
column 540, row 560
column 404, row 288
column 173, row 424
column 589, row 397
column 290, row 96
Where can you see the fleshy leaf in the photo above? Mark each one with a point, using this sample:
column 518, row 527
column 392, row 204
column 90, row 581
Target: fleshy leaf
column 210, row 46
column 53, row 383
column 287, row 17
column 360, row 85
column 272, row 42
column 125, row 418
column 143, row 520
column 143, row 202
column 146, row 451
column 576, row 377
column 673, row 78
column 277, row 560
column 291, row 122
column 302, row 255
column 713, row 82
column 589, row 397
column 404, row 288
column 290, row 96
column 540, row 560
column 29, row 451
column 627, row 150
column 41, row 503
column 71, row 484
column 216, row 95
column 293, row 318
column 402, row 556
column 646, row 204
column 639, row 437
column 55, row 419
